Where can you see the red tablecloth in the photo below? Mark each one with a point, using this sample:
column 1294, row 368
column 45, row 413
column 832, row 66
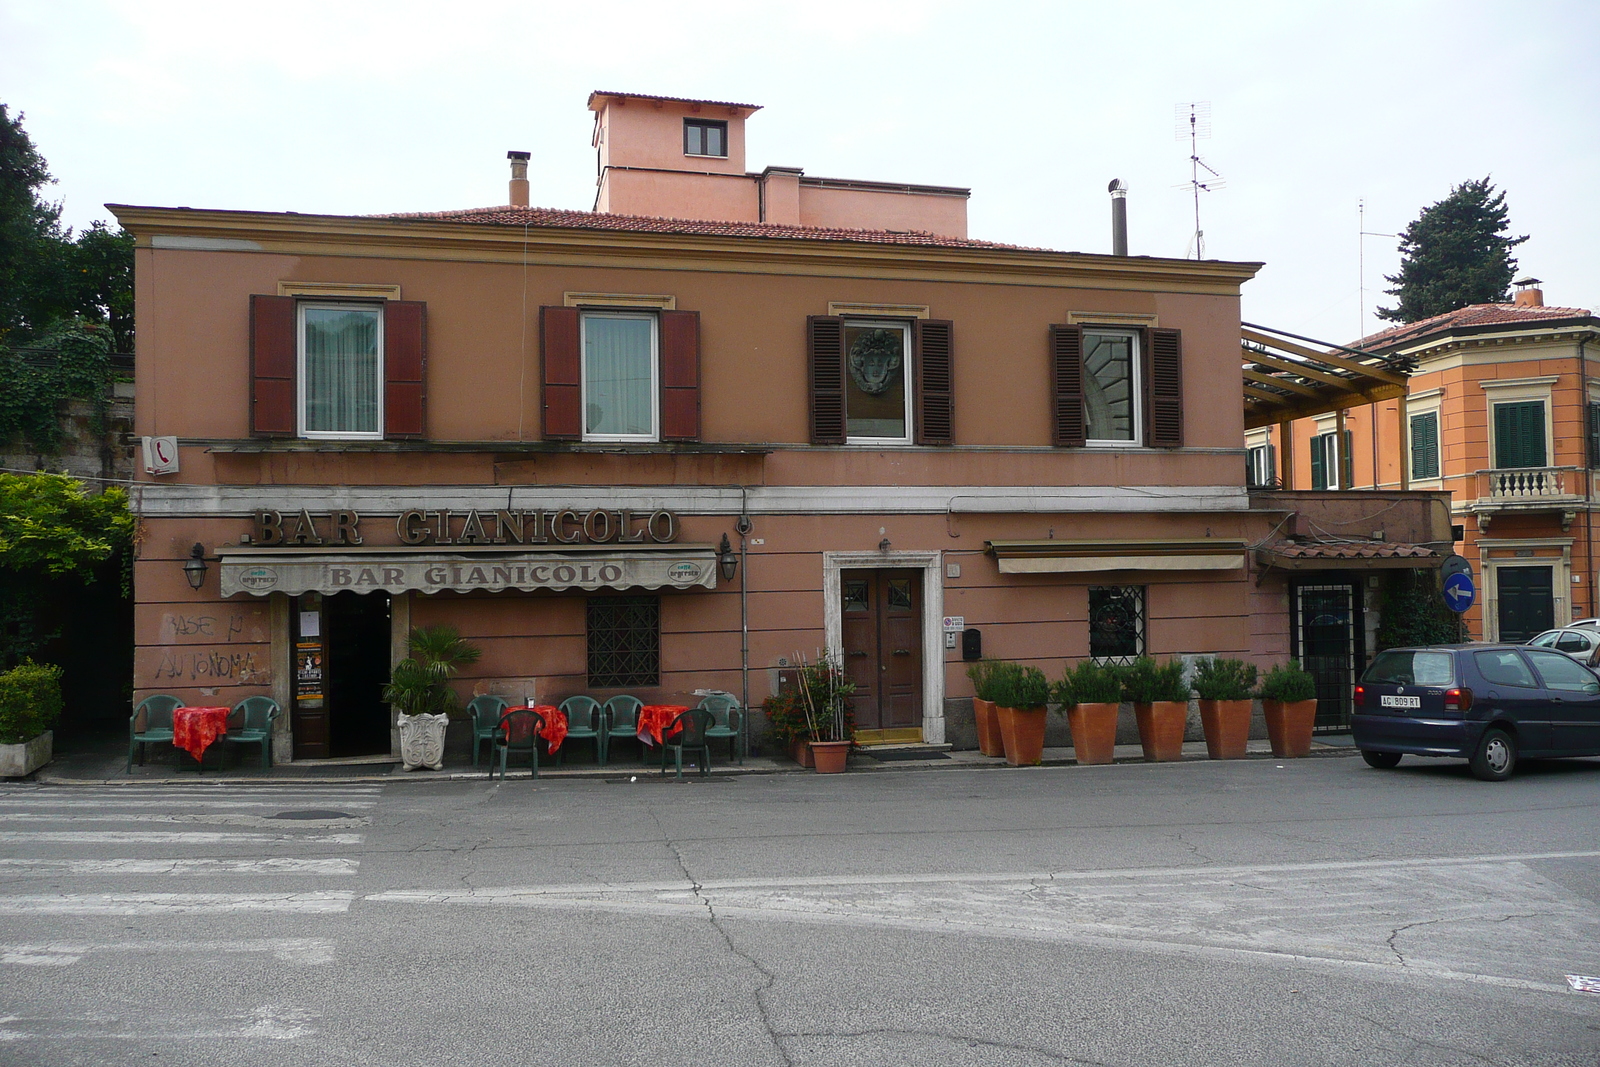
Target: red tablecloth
column 653, row 718
column 194, row 729
column 555, row 725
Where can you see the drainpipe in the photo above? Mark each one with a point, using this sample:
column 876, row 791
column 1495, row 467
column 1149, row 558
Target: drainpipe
column 1588, row 482
column 743, row 528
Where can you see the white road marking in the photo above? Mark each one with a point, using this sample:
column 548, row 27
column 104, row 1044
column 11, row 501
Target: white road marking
column 268, row 1022
column 319, row 901
column 208, row 803
column 301, row 951
column 185, row 837
column 329, row 867
column 186, row 818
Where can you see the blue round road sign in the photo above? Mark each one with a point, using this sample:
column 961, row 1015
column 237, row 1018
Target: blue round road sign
column 1459, row 592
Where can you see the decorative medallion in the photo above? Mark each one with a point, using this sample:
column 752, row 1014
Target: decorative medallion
column 874, row 358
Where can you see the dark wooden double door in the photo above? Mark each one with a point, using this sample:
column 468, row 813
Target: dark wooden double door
column 341, row 663
column 883, row 646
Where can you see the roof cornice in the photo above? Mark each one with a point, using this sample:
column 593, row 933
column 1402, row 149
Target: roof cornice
column 281, row 233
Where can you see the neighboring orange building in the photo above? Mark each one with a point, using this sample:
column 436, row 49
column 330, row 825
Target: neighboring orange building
column 1503, row 412
column 647, row 454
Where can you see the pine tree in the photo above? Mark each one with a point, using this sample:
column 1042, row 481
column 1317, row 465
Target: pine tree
column 1456, row 253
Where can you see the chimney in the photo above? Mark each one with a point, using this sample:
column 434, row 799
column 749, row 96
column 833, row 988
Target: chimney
column 1119, row 217
column 519, row 178
column 1528, row 294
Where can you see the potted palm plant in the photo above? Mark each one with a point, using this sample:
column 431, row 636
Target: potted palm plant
column 1020, row 696
column 420, row 693
column 1160, row 699
column 30, row 702
column 825, row 696
column 1224, row 686
column 1289, row 702
column 982, row 675
column 1090, row 696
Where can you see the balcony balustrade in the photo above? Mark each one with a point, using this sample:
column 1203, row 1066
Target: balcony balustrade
column 1514, row 489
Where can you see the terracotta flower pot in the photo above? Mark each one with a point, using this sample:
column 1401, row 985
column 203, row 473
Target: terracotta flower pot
column 1227, row 726
column 830, row 756
column 1094, row 732
column 983, row 714
column 800, row 752
column 1289, row 726
column 1022, row 729
column 1161, row 729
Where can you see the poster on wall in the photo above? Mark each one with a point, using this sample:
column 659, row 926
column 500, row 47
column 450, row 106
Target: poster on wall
column 308, row 673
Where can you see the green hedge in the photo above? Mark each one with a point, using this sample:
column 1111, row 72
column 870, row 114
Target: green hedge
column 30, row 701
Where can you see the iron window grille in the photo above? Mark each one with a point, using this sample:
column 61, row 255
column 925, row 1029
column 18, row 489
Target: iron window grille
column 1116, row 622
column 624, row 641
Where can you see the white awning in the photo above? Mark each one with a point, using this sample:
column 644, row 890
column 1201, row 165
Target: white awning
column 291, row 571
column 1075, row 557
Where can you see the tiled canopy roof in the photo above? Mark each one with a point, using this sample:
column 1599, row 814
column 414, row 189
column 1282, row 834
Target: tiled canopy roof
column 1351, row 550
column 558, row 218
column 1470, row 317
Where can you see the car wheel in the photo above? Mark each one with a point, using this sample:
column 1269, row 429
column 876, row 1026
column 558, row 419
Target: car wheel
column 1381, row 760
column 1496, row 757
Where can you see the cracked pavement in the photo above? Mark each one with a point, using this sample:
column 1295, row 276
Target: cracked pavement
column 1317, row 913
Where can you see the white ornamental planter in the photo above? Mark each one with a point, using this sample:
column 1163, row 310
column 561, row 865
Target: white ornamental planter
column 27, row 757
column 422, row 741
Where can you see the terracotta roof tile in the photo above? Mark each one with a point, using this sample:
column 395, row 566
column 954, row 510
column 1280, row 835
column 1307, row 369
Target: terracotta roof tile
column 1351, row 550
column 672, row 99
column 1470, row 317
column 558, row 218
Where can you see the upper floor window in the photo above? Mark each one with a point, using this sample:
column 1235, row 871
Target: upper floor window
column 619, row 376
column 1111, row 387
column 1519, row 434
column 1425, row 445
column 1329, row 462
column 1262, row 466
column 1594, row 434
column 877, row 391
column 341, row 370
column 705, row 137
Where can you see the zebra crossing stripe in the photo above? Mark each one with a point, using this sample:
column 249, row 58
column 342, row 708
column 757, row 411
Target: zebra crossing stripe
column 90, row 867
column 166, row 837
column 316, row 902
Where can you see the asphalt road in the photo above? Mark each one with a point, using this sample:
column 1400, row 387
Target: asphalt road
column 1262, row 912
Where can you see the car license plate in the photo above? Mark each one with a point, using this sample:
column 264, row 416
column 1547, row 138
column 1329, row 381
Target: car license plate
column 1400, row 702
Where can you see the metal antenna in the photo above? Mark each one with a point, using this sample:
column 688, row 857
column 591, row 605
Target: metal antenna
column 1362, row 233
column 1193, row 120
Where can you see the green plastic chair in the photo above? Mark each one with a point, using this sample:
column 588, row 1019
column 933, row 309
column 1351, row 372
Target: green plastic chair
column 621, row 719
column 157, row 710
column 517, row 732
column 692, row 726
column 258, row 712
column 729, row 717
column 583, row 724
column 486, row 712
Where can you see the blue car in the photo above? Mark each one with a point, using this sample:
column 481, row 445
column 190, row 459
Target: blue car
column 1489, row 704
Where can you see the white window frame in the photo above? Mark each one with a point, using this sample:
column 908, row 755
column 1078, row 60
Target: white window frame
column 1521, row 390
column 906, row 375
column 1137, row 373
column 301, row 307
column 1331, row 477
column 584, row 316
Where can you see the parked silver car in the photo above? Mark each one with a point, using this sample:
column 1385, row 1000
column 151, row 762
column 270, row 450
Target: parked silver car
column 1580, row 642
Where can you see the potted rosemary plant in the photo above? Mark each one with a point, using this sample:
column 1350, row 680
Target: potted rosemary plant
column 419, row 691
column 1160, row 704
column 1289, row 702
column 1224, row 686
column 982, row 675
column 1090, row 695
column 1020, row 695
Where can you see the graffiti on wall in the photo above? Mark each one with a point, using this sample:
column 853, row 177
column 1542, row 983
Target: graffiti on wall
column 212, row 664
column 219, row 627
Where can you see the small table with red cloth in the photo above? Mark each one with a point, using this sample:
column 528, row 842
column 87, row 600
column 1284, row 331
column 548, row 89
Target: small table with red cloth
column 195, row 729
column 654, row 718
column 555, row 725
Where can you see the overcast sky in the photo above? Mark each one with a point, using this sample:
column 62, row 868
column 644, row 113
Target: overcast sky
column 354, row 108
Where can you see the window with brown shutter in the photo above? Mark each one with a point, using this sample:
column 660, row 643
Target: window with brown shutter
column 272, row 366
column 825, row 346
column 405, row 363
column 680, row 375
column 1164, row 391
column 1066, row 386
column 933, row 364
column 563, row 385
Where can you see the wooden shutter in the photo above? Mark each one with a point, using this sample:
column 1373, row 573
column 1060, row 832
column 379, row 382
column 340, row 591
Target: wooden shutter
column 825, row 346
column 680, row 375
column 933, row 361
column 273, row 354
column 1347, row 460
column 1425, row 445
column 1594, row 435
column 1319, row 461
column 562, row 369
column 405, row 366
column 1164, row 389
column 1519, row 434
column 1066, row 386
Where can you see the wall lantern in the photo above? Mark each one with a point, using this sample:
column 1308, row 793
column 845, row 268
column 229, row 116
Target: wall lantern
column 194, row 568
column 726, row 559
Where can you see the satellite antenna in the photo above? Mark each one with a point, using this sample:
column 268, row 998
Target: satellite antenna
column 1193, row 121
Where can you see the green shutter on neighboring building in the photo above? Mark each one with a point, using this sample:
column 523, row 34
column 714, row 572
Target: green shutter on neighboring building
column 1519, row 434
column 1425, row 445
column 1319, row 460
